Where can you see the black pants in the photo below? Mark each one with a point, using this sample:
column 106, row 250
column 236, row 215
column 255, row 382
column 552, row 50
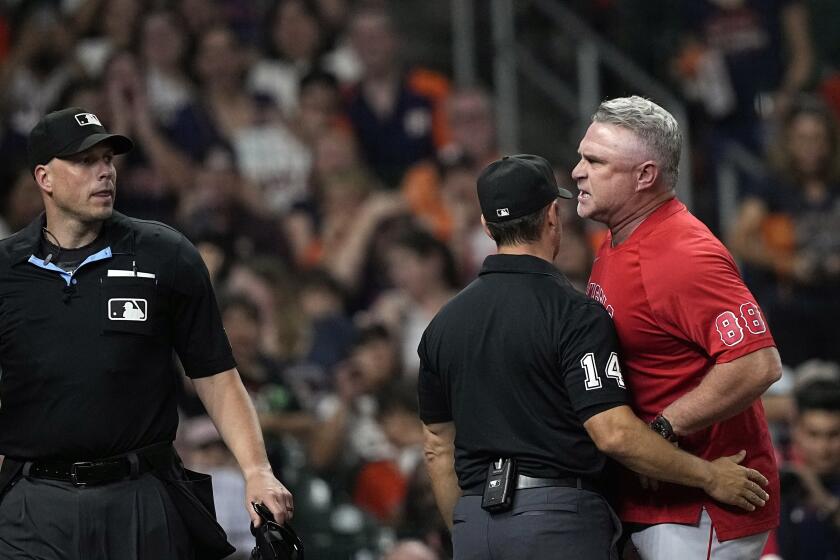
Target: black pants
column 132, row 519
column 544, row 523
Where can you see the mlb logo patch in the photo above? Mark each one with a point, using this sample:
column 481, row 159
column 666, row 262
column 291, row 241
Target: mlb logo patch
column 127, row 309
column 85, row 119
column 502, row 212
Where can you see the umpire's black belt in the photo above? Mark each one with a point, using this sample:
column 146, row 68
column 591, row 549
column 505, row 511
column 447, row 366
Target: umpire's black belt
column 90, row 473
column 523, row 482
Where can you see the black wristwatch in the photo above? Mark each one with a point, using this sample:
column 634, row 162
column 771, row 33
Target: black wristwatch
column 663, row 427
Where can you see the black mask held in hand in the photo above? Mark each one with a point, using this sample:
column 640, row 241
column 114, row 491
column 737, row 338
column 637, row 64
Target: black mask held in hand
column 274, row 542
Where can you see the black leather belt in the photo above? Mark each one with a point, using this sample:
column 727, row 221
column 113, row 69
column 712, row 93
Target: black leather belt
column 523, row 482
column 90, row 473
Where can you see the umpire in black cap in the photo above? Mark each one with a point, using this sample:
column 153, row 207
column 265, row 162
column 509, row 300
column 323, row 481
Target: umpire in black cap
column 521, row 394
column 93, row 304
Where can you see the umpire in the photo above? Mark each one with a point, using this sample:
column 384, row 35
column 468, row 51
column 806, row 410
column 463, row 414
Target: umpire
column 521, row 395
column 92, row 306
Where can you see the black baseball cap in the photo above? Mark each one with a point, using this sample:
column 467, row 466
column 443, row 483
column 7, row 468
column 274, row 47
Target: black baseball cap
column 67, row 132
column 516, row 186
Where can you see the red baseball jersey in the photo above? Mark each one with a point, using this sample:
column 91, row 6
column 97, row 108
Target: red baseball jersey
column 680, row 307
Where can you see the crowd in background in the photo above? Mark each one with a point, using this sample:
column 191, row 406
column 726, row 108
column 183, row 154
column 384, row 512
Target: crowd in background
column 330, row 189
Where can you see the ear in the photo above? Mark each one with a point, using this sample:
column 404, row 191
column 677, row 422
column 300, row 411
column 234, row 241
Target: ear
column 43, row 178
column 553, row 215
column 485, row 228
column 647, row 175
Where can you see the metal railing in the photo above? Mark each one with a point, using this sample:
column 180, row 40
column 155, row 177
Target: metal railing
column 513, row 60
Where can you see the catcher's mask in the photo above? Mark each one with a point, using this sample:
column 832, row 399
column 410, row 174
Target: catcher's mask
column 274, row 541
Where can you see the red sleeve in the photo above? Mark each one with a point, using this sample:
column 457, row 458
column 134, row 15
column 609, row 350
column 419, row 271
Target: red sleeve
column 697, row 294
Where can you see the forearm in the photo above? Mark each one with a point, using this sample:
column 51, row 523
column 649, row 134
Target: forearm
column 633, row 444
column 439, row 452
column 229, row 406
column 746, row 240
column 295, row 423
column 328, row 438
column 801, row 54
column 709, row 403
column 444, row 485
column 726, row 390
column 346, row 264
column 173, row 166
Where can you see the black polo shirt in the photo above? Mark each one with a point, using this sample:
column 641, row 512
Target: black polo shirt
column 519, row 360
column 86, row 357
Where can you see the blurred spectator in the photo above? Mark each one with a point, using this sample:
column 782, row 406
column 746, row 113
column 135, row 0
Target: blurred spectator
column 268, row 153
column 217, row 260
column 37, row 69
column 395, row 112
column 163, row 50
column 302, row 320
column 274, row 289
column 203, row 450
column 153, row 174
column 740, row 62
column 330, row 332
column 319, row 110
column 788, row 235
column 348, row 434
column 421, row 518
column 471, row 124
column 336, row 151
column 85, row 93
column 422, row 271
column 398, row 416
column 469, row 242
column 19, row 204
column 294, row 44
column 321, row 235
column 199, row 15
column 381, row 486
column 742, row 59
column 352, row 240
column 280, row 412
column 107, row 26
column 345, row 202
column 340, row 60
column 222, row 205
column 810, row 520
column 411, row 550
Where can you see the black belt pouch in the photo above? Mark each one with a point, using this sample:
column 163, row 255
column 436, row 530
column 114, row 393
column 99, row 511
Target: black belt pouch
column 192, row 494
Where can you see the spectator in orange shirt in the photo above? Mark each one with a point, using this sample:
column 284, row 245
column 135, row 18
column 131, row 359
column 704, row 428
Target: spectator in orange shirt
column 470, row 120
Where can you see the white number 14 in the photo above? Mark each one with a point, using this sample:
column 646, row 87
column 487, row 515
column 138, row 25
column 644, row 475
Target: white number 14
column 593, row 380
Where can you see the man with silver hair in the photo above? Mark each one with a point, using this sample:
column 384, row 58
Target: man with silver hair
column 697, row 350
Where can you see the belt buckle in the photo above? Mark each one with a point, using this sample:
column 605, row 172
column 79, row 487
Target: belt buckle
column 74, row 472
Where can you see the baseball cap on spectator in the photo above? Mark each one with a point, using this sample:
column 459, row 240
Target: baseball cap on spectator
column 69, row 131
column 516, row 186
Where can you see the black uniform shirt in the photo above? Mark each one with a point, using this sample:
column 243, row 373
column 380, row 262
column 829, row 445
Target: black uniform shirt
column 519, row 360
column 86, row 357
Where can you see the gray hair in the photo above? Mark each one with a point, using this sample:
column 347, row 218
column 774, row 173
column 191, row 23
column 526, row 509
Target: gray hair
column 655, row 126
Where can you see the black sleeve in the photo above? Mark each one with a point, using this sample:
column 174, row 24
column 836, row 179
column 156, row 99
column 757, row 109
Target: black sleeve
column 199, row 338
column 589, row 356
column 432, row 396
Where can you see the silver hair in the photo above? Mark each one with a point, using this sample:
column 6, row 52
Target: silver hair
column 655, row 126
